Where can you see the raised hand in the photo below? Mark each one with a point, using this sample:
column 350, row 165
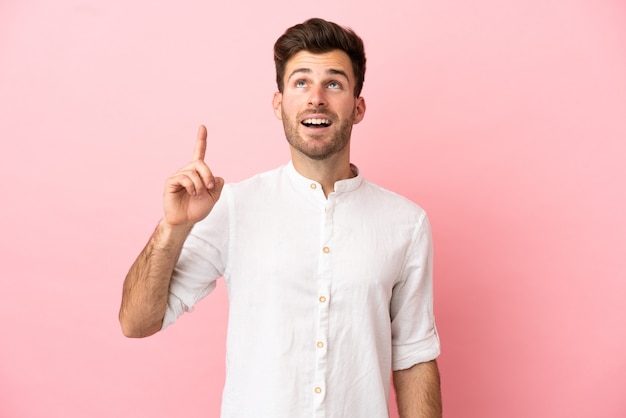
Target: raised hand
column 192, row 191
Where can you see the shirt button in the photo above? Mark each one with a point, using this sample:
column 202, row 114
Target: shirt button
column 320, row 344
column 318, row 390
column 322, row 299
column 326, row 250
column 313, row 186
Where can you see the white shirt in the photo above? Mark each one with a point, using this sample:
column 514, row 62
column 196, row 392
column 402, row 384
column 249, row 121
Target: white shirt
column 326, row 296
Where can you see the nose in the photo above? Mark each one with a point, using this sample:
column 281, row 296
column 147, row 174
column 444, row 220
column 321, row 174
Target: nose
column 317, row 96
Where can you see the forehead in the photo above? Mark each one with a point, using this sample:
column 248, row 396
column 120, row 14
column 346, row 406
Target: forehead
column 326, row 62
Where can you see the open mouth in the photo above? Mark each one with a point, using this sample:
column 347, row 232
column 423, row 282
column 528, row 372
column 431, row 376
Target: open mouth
column 316, row 123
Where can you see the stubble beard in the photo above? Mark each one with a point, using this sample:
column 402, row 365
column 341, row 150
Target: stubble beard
column 318, row 150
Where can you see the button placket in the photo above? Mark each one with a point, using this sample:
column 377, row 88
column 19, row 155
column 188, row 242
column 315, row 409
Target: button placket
column 320, row 344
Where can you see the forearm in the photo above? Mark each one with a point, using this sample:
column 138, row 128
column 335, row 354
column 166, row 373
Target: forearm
column 146, row 287
column 418, row 391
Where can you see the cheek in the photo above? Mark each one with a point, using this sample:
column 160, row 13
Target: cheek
column 289, row 108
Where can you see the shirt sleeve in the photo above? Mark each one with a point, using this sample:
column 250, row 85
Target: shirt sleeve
column 414, row 334
column 202, row 261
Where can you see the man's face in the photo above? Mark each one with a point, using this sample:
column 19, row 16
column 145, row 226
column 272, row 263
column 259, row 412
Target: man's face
column 317, row 106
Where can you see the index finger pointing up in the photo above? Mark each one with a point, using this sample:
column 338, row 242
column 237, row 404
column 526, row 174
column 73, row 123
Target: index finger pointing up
column 200, row 149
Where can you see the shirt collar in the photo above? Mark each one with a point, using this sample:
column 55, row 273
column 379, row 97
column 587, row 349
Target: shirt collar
column 308, row 185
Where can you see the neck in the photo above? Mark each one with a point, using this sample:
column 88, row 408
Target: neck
column 326, row 172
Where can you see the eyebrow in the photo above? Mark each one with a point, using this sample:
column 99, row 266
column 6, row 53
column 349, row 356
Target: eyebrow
column 330, row 71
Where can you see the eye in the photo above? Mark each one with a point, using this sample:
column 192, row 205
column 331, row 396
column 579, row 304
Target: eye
column 334, row 85
column 300, row 83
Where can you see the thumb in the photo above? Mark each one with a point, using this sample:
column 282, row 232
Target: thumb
column 216, row 190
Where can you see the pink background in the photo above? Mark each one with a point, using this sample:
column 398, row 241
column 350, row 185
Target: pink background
column 505, row 120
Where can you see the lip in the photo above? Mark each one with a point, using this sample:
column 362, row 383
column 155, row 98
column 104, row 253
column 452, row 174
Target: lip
column 316, row 116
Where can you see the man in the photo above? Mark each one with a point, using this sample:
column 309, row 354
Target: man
column 329, row 276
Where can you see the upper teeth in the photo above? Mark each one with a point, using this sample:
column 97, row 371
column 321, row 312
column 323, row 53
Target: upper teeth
column 316, row 121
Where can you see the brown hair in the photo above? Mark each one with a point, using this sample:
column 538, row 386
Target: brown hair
column 319, row 36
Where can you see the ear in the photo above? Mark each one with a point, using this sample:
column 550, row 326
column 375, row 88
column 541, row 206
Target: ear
column 359, row 110
column 277, row 102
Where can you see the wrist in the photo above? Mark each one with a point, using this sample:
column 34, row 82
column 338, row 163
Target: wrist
column 172, row 235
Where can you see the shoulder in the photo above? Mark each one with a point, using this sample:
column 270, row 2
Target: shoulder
column 259, row 182
column 391, row 201
column 261, row 189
